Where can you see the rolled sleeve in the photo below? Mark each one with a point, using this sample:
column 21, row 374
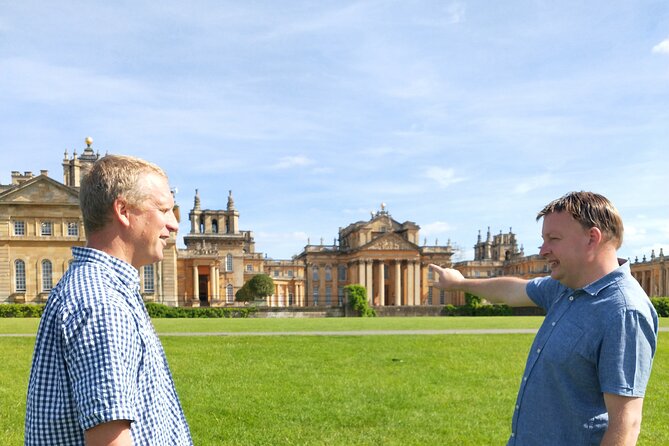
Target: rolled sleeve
column 626, row 354
column 103, row 353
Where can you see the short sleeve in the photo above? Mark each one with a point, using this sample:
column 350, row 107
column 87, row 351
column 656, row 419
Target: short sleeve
column 544, row 291
column 626, row 354
column 103, row 354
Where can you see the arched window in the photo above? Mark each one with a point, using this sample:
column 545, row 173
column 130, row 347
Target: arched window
column 20, row 275
column 228, row 262
column 47, row 275
column 328, row 273
column 229, row 294
column 214, row 226
column 201, row 225
column 149, row 282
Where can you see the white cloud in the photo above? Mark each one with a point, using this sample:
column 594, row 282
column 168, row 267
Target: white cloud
column 445, row 177
column 533, row 183
column 436, row 228
column 288, row 162
column 662, row 47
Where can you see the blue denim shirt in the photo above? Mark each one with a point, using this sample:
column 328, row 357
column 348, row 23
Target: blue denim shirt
column 595, row 340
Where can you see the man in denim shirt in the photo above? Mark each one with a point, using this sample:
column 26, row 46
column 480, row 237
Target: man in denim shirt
column 589, row 365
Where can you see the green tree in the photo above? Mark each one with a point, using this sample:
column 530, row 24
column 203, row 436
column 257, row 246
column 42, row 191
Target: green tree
column 256, row 288
column 357, row 299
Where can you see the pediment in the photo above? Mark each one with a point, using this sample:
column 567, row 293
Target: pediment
column 40, row 190
column 390, row 242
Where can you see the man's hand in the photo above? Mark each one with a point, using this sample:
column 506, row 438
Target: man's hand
column 447, row 278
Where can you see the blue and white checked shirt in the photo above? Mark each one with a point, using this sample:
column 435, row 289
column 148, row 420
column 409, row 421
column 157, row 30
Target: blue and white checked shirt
column 97, row 359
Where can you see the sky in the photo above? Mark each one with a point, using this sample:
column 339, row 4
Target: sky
column 458, row 115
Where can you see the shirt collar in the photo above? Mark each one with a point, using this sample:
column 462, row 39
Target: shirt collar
column 126, row 273
column 595, row 287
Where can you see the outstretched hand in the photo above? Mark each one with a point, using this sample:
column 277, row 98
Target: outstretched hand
column 448, row 279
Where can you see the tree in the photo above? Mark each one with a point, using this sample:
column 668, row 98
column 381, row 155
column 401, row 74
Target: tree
column 258, row 287
column 357, row 299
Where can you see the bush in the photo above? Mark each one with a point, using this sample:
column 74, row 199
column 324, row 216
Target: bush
column 661, row 305
column 357, row 299
column 476, row 309
column 163, row 311
column 21, row 310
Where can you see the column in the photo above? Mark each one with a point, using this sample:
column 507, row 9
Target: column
column 417, row 281
column 410, row 282
column 196, row 286
column 361, row 273
column 214, row 282
column 368, row 280
column 381, row 284
column 398, row 283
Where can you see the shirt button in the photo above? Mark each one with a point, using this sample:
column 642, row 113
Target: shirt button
column 524, row 378
column 538, row 350
column 553, row 324
column 517, row 407
column 513, row 434
column 571, row 298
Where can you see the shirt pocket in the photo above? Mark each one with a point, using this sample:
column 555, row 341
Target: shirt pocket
column 563, row 341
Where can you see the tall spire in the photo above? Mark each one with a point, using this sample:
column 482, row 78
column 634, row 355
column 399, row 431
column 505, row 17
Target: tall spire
column 231, row 201
column 196, row 205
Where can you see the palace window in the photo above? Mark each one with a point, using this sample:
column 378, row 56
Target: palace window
column 430, row 274
column 249, row 268
column 149, row 282
column 429, row 295
column 214, row 226
column 315, row 273
column 290, row 273
column 229, row 294
column 47, row 228
column 276, row 273
column 291, row 298
column 20, row 275
column 228, row 263
column 342, row 273
column 442, row 297
column 47, row 275
column 73, row 229
column 340, row 295
column 328, row 273
column 19, row 227
column 328, row 295
column 316, row 295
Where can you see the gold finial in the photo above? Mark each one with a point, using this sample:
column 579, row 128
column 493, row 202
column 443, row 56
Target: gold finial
column 89, row 141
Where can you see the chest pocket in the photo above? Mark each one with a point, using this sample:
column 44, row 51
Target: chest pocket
column 563, row 341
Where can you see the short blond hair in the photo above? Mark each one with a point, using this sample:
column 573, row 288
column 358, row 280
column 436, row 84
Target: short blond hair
column 591, row 210
column 112, row 177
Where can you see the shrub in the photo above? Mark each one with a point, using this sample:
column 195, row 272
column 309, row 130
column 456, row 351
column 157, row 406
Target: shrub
column 474, row 308
column 21, row 310
column 661, row 305
column 357, row 299
column 156, row 310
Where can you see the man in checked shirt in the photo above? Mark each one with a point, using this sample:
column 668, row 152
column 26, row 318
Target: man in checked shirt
column 587, row 370
column 99, row 374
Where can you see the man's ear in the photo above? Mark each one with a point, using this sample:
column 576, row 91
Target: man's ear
column 596, row 236
column 121, row 212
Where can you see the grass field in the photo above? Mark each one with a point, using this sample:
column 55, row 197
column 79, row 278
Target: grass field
column 338, row 390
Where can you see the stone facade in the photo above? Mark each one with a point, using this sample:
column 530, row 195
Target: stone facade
column 40, row 221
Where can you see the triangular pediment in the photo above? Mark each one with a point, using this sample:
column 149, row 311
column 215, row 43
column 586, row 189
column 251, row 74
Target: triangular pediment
column 41, row 190
column 390, row 242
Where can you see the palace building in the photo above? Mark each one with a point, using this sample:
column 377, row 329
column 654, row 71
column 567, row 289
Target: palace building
column 40, row 221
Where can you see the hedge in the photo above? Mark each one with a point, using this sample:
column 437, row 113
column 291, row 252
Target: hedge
column 661, row 305
column 477, row 310
column 155, row 310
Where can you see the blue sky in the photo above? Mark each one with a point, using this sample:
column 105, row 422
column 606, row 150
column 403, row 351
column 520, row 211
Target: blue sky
column 457, row 115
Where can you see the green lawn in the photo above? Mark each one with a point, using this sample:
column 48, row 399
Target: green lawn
column 343, row 390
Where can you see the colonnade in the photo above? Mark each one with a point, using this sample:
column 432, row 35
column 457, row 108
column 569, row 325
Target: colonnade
column 404, row 280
